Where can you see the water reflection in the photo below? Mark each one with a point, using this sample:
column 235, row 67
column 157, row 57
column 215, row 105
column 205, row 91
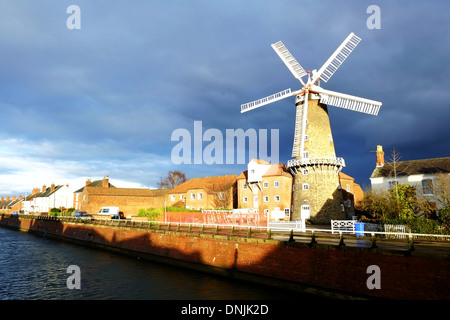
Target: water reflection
column 36, row 268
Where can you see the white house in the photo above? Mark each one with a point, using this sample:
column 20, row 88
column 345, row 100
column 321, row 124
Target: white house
column 426, row 175
column 50, row 197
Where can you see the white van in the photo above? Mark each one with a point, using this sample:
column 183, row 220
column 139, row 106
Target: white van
column 109, row 211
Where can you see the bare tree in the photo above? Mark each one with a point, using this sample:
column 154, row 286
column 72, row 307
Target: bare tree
column 173, row 179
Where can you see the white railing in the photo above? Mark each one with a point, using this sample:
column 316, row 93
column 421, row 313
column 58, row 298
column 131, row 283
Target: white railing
column 347, row 226
column 399, row 231
column 314, row 161
column 297, row 225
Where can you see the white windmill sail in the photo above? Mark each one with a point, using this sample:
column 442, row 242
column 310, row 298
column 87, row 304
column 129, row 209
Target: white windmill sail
column 347, row 101
column 263, row 101
column 289, row 60
column 337, row 58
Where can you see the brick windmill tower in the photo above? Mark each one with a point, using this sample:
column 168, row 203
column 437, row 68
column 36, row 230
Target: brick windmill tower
column 315, row 166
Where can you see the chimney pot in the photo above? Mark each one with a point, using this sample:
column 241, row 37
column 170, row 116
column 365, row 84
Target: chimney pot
column 88, row 182
column 380, row 156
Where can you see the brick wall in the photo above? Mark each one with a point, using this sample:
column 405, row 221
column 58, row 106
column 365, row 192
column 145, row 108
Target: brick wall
column 334, row 268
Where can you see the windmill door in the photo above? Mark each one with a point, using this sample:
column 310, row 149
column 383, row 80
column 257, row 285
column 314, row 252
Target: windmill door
column 305, row 212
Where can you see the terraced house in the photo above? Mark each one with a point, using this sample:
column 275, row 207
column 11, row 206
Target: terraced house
column 11, row 204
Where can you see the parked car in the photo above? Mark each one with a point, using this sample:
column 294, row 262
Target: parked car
column 82, row 215
column 113, row 212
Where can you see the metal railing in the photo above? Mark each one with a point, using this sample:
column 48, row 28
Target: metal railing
column 311, row 234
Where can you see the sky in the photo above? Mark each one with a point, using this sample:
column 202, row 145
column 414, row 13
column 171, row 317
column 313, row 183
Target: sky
column 104, row 99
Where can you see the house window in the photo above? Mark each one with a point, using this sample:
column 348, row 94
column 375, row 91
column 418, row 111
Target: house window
column 200, row 196
column 347, row 188
column 181, row 197
column 192, row 196
column 330, row 137
column 342, row 207
column 287, row 212
column 266, row 198
column 245, row 199
column 172, row 197
column 427, row 186
column 221, row 195
column 348, row 203
column 305, row 186
column 276, row 198
column 266, row 211
column 245, row 186
column 265, row 184
column 84, row 197
column 276, row 184
column 306, row 154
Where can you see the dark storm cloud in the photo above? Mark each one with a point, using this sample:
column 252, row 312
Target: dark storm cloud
column 108, row 96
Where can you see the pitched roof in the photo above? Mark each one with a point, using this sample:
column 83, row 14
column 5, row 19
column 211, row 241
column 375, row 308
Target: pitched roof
column 96, row 183
column 209, row 184
column 136, row 192
column 345, row 176
column 48, row 192
column 276, row 169
column 406, row 168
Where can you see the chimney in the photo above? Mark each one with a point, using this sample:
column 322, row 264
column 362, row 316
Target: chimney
column 14, row 198
column 3, row 198
column 20, row 197
column 44, row 187
column 7, row 198
column 36, row 191
column 105, row 183
column 88, row 182
column 52, row 188
column 380, row 156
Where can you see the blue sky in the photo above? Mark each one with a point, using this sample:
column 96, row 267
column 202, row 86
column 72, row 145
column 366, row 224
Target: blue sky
column 105, row 99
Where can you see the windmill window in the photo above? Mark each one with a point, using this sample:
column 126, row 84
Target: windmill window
column 221, row 195
column 347, row 188
column 245, row 199
column 276, row 198
column 266, row 198
column 245, row 186
column 305, row 186
column 306, row 137
column 305, row 171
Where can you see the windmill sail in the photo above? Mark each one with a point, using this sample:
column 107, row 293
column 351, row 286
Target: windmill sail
column 262, row 102
column 290, row 62
column 349, row 102
column 337, row 58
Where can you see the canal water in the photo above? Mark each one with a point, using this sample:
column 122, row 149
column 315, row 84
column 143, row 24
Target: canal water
column 36, row 268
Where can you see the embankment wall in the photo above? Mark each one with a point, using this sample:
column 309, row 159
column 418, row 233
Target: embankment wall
column 333, row 270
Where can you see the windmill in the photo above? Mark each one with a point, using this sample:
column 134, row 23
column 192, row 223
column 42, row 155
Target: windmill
column 316, row 166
